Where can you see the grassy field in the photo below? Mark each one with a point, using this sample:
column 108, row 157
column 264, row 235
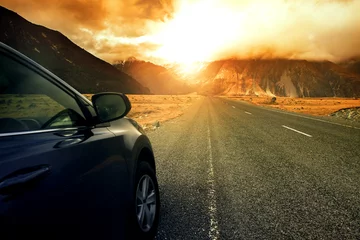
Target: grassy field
column 313, row 106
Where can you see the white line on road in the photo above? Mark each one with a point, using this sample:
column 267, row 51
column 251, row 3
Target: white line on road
column 214, row 229
column 296, row 131
column 311, row 118
column 248, row 113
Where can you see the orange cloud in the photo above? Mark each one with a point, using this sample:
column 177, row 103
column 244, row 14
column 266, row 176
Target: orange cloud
column 196, row 30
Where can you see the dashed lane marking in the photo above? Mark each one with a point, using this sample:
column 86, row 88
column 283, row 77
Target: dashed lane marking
column 311, row 118
column 292, row 129
column 214, row 226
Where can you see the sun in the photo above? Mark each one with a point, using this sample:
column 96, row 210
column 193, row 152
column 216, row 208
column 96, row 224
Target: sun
column 197, row 32
column 188, row 69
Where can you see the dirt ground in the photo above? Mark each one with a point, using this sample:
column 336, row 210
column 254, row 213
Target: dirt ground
column 313, row 106
column 149, row 109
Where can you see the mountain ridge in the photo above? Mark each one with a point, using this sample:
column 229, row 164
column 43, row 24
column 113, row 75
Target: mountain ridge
column 352, row 65
column 279, row 77
column 56, row 52
column 158, row 79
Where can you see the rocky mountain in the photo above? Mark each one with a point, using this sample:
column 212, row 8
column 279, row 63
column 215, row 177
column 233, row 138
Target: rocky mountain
column 54, row 51
column 158, row 79
column 279, row 77
column 352, row 65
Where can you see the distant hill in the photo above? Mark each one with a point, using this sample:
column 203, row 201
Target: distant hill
column 158, row 79
column 79, row 68
column 279, row 77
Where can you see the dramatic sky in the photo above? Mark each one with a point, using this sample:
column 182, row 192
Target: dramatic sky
column 202, row 30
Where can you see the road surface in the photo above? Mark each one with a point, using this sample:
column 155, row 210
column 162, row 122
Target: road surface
column 232, row 170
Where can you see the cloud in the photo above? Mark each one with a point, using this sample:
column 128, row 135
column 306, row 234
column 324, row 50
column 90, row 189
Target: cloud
column 180, row 30
column 87, row 13
column 307, row 29
column 61, row 14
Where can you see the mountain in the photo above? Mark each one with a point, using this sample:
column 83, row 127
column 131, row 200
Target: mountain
column 279, row 77
column 352, row 65
column 158, row 79
column 79, row 68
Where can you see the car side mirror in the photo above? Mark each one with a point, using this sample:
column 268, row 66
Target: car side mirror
column 110, row 106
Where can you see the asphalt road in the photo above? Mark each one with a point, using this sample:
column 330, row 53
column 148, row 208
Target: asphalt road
column 232, row 170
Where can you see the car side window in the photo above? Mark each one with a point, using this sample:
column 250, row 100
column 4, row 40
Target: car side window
column 29, row 101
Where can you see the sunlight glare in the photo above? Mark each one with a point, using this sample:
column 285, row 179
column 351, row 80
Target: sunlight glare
column 197, row 31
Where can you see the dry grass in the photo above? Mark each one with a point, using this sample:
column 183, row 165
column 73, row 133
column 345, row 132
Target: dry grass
column 147, row 109
column 313, row 106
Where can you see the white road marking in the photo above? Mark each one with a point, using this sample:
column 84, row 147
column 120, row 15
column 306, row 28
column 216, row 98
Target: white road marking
column 214, row 226
column 248, row 113
column 308, row 135
column 315, row 119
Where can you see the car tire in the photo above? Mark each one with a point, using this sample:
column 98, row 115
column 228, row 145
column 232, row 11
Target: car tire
column 145, row 216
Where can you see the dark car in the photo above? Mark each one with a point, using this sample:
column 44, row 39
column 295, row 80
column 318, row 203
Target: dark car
column 70, row 168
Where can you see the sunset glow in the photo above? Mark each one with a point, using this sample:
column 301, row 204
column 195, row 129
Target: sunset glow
column 188, row 31
column 206, row 30
column 197, row 32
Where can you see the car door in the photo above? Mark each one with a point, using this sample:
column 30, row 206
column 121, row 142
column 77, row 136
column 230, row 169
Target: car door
column 58, row 171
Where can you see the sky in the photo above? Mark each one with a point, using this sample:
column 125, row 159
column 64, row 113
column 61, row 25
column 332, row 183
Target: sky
column 186, row 31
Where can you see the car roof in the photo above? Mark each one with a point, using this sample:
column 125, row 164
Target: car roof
column 9, row 49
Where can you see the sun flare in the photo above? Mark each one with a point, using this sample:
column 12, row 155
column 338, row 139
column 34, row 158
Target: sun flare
column 197, row 31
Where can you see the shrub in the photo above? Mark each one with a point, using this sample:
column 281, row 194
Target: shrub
column 273, row 99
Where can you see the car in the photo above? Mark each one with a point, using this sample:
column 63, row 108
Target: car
column 70, row 168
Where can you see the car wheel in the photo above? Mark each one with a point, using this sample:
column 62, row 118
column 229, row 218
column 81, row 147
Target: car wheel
column 147, row 202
